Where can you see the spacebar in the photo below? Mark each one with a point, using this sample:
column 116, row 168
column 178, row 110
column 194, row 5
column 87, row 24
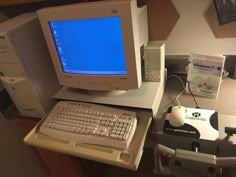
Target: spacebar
column 64, row 128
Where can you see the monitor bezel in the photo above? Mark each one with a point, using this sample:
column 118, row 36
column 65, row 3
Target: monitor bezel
column 103, row 9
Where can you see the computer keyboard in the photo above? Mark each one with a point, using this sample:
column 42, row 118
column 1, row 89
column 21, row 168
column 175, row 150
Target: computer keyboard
column 90, row 123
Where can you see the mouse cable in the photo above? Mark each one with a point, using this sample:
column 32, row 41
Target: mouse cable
column 181, row 80
column 165, row 108
column 190, row 91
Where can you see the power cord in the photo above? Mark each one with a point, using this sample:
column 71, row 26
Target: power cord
column 193, row 96
column 189, row 89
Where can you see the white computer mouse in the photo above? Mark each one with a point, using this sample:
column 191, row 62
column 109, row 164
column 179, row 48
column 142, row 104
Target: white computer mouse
column 177, row 116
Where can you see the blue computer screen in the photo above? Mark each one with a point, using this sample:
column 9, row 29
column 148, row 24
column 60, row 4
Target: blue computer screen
column 90, row 46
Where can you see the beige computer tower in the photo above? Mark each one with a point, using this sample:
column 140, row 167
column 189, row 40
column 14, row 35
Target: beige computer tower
column 26, row 70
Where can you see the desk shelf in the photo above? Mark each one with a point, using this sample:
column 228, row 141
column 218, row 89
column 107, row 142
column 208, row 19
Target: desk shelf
column 128, row 158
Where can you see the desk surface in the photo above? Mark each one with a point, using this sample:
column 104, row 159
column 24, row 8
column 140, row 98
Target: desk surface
column 224, row 104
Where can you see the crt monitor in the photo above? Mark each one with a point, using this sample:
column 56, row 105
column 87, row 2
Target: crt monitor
column 96, row 45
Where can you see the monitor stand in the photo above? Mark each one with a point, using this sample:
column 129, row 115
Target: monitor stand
column 106, row 93
column 148, row 96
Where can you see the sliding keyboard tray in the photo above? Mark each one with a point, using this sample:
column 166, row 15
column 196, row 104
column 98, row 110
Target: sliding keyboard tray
column 128, row 158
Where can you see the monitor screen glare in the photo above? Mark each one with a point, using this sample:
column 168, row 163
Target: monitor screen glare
column 90, row 46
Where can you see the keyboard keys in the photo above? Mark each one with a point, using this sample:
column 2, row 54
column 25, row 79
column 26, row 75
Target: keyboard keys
column 90, row 123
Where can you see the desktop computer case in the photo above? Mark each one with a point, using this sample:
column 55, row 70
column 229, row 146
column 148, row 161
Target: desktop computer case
column 26, row 70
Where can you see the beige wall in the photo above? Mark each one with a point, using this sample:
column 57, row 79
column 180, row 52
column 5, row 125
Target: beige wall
column 192, row 32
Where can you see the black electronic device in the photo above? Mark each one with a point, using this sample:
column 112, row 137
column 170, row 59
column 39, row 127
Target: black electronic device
column 198, row 123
